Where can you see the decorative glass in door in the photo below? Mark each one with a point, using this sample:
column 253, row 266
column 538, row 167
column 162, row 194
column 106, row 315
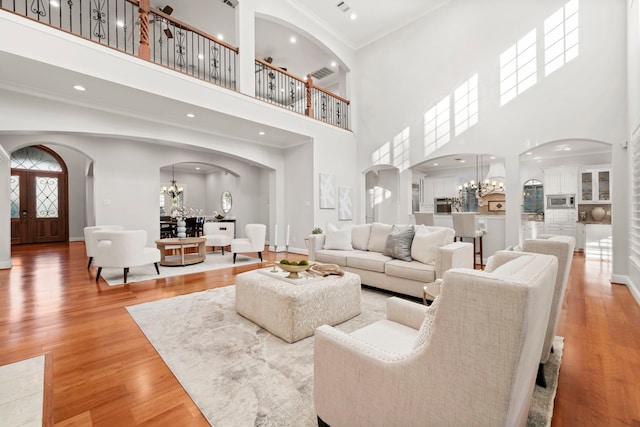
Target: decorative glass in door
column 15, row 196
column 46, row 197
column 603, row 185
column 587, row 186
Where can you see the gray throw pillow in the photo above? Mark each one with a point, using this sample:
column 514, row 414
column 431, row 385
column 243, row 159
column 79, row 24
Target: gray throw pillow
column 399, row 242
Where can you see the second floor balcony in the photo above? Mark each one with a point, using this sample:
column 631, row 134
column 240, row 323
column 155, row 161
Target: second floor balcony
column 135, row 28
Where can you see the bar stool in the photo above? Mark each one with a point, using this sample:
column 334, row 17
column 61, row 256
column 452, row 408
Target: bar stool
column 464, row 225
column 424, row 218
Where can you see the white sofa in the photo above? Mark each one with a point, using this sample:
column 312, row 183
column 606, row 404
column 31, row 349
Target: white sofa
column 470, row 359
column 360, row 249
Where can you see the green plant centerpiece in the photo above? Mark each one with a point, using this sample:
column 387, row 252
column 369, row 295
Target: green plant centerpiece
column 317, row 230
column 294, row 267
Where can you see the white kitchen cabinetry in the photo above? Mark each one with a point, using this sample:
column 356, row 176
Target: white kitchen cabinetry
column 598, row 243
column 440, row 187
column 531, row 229
column 595, row 186
column 580, row 238
column 561, row 180
column 561, row 222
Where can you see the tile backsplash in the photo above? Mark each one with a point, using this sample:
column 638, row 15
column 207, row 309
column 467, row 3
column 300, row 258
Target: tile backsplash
column 584, row 211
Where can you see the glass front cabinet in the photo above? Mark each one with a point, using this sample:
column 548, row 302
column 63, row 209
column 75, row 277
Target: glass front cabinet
column 595, row 186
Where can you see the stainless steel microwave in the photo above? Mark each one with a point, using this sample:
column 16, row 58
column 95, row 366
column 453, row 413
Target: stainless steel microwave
column 561, row 201
column 442, row 206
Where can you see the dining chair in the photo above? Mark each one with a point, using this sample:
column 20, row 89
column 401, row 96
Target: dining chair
column 464, row 225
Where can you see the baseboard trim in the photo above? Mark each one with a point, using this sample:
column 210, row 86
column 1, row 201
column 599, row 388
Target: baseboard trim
column 626, row 280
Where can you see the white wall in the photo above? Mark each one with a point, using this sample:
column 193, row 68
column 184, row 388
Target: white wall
column 430, row 58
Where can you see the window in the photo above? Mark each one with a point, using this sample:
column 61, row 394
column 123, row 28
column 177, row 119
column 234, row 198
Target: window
column 561, row 37
column 382, row 155
column 436, row 126
column 401, row 145
column 465, row 102
column 518, row 68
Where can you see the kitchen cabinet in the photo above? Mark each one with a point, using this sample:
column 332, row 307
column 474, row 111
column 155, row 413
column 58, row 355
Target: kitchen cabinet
column 595, row 186
column 439, row 187
column 561, row 222
column 561, row 180
column 531, row 229
column 597, row 242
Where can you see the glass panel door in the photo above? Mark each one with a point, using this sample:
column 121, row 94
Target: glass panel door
column 603, row 185
column 587, row 186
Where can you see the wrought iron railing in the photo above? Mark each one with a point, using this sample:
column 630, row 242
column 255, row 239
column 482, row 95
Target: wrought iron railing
column 329, row 108
column 131, row 26
column 177, row 45
column 277, row 86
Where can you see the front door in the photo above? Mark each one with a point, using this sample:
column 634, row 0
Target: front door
column 38, row 197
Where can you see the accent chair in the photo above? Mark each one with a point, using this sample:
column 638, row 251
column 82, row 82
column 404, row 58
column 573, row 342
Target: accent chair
column 218, row 234
column 89, row 241
column 468, row 359
column 123, row 249
column 562, row 247
column 254, row 242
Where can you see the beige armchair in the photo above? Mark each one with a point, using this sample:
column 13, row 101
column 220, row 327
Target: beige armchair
column 123, row 249
column 89, row 240
column 254, row 242
column 562, row 247
column 469, row 359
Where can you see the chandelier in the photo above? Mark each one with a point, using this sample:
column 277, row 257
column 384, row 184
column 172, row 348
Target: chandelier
column 173, row 190
column 491, row 184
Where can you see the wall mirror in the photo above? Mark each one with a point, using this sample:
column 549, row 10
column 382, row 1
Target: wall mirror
column 532, row 197
column 225, row 201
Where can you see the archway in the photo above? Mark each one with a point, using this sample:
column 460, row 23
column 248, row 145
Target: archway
column 39, row 196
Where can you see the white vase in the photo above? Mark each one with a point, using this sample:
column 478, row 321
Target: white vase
column 597, row 213
column 182, row 229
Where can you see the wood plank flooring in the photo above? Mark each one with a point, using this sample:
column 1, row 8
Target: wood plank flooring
column 106, row 373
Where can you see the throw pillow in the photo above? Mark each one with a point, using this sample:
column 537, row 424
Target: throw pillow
column 338, row 238
column 398, row 243
column 378, row 238
column 360, row 236
column 425, row 245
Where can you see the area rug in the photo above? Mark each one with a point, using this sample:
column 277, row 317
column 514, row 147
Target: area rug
column 22, row 392
column 238, row 374
column 213, row 261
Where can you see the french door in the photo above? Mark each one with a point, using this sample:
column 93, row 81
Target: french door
column 39, row 206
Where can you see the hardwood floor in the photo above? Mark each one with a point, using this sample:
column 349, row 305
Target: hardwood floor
column 105, row 372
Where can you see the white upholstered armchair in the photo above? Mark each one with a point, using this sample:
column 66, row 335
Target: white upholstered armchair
column 469, row 359
column 254, row 242
column 123, row 249
column 562, row 247
column 89, row 240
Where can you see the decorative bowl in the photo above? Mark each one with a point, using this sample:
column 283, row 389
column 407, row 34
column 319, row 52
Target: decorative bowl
column 597, row 213
column 293, row 270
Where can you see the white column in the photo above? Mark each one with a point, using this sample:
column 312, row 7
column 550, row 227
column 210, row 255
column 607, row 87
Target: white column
column 513, row 198
column 5, row 214
column 245, row 34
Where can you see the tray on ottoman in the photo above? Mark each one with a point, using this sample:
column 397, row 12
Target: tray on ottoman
column 293, row 312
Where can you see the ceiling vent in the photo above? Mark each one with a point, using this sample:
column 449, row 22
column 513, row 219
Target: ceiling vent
column 321, row 73
column 343, row 6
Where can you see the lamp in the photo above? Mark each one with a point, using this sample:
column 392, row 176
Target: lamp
column 493, row 182
column 173, row 190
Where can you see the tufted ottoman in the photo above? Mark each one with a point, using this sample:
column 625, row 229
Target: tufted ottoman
column 293, row 311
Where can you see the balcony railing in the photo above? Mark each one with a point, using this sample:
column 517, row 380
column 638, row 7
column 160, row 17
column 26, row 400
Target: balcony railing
column 131, row 26
column 279, row 87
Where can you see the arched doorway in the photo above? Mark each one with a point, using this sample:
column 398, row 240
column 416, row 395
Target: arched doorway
column 39, row 196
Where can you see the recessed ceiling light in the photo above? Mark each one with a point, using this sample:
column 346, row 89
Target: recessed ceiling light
column 292, row 39
column 220, row 36
column 435, row 164
column 197, row 168
column 119, row 23
column 200, row 56
column 261, row 133
column 334, row 63
column 492, row 157
column 528, row 153
column 567, row 149
column 191, row 115
column 353, row 16
column 54, row 3
column 80, row 88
